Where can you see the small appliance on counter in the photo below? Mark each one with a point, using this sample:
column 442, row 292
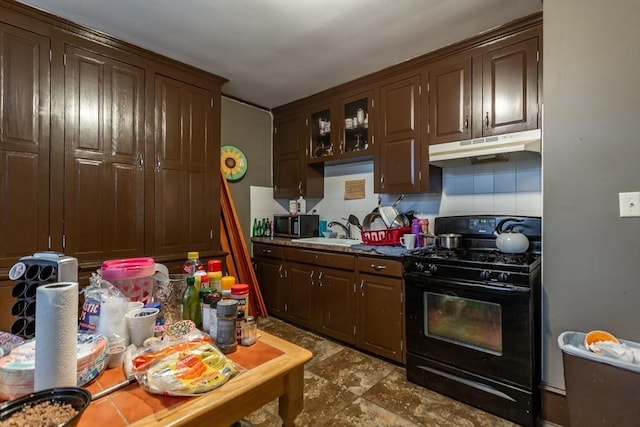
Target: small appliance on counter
column 296, row 226
column 29, row 273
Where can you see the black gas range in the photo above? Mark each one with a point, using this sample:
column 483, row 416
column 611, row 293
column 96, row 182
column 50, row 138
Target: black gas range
column 473, row 317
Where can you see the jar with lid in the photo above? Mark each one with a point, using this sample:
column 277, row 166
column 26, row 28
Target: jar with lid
column 240, row 293
column 204, row 308
column 227, row 314
column 249, row 331
column 210, row 302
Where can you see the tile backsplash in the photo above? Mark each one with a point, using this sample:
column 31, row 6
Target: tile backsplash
column 509, row 188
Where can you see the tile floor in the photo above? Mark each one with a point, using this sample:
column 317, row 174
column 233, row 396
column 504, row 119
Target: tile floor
column 344, row 387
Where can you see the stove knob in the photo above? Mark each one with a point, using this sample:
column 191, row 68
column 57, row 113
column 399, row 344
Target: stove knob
column 433, row 269
column 419, row 266
column 504, row 277
column 484, row 275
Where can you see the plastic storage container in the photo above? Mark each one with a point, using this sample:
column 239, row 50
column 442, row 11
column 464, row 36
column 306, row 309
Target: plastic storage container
column 601, row 390
column 133, row 276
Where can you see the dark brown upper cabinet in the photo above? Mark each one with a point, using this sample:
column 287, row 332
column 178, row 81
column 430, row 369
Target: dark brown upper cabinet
column 107, row 150
column 397, row 154
column 186, row 165
column 292, row 176
column 450, row 99
column 483, row 92
column 103, row 156
column 342, row 128
column 509, row 88
column 24, row 142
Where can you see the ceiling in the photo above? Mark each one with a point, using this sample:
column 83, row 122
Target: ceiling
column 277, row 51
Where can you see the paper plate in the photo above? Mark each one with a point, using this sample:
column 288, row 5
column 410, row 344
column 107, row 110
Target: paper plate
column 17, row 369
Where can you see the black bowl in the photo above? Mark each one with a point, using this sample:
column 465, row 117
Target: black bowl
column 77, row 397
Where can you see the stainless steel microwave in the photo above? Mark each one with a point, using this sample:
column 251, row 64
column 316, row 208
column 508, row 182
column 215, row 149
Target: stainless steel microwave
column 296, row 226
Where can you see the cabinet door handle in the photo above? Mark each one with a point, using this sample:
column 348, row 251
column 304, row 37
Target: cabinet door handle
column 382, row 179
column 158, row 164
column 466, row 123
column 320, row 279
column 311, row 277
column 300, row 187
column 266, row 251
column 280, row 271
column 141, row 162
column 486, row 120
column 378, row 267
column 362, row 288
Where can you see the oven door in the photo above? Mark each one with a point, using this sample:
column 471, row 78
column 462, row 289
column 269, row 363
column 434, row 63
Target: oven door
column 480, row 328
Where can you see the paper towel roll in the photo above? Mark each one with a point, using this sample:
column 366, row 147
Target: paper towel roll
column 56, row 336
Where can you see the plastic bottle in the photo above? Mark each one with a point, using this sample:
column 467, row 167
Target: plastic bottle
column 226, row 336
column 415, row 229
column 190, row 266
column 202, row 278
column 214, row 271
column 191, row 303
column 227, row 282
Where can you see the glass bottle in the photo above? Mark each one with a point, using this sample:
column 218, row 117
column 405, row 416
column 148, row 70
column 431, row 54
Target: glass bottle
column 249, row 331
column 191, row 303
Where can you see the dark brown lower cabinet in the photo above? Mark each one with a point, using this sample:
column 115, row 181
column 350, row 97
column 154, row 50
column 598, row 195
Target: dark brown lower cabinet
column 380, row 327
column 272, row 278
column 354, row 299
column 300, row 296
column 335, row 304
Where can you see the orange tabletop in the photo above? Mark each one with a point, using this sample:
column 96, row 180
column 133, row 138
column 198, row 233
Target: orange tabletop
column 274, row 369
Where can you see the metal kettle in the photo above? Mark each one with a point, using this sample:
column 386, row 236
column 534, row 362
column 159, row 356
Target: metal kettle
column 508, row 240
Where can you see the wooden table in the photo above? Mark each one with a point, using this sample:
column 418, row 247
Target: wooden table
column 274, row 369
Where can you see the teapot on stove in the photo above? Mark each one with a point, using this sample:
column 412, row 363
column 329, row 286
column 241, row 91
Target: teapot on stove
column 508, row 240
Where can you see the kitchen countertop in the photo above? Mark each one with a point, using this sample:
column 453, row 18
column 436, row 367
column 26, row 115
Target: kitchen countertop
column 395, row 251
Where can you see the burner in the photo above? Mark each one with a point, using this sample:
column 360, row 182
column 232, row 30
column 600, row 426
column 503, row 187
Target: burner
column 504, row 258
column 437, row 252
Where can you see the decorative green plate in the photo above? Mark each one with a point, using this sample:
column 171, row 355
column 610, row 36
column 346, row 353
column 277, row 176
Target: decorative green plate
column 233, row 162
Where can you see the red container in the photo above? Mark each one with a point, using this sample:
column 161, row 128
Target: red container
column 388, row 236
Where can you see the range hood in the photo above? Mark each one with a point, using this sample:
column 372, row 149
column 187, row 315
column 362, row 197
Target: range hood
column 487, row 149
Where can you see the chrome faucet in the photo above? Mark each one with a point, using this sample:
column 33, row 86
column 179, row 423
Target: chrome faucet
column 341, row 225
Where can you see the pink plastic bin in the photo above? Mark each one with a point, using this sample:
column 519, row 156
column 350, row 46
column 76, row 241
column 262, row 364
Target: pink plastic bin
column 133, row 276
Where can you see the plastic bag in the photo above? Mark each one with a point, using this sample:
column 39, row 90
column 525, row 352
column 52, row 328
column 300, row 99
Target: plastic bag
column 181, row 367
column 104, row 309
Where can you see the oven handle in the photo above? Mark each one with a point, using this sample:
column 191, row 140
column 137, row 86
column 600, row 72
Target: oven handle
column 424, row 282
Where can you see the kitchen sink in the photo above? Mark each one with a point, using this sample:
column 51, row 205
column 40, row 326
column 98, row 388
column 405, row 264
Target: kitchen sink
column 332, row 241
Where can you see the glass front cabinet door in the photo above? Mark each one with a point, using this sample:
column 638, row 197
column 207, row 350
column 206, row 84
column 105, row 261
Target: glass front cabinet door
column 321, row 140
column 355, row 134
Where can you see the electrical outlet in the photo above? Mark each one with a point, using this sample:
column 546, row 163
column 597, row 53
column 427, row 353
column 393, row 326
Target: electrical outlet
column 630, row 204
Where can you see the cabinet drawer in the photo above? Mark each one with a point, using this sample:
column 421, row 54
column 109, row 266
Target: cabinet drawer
column 271, row 251
column 381, row 266
column 325, row 259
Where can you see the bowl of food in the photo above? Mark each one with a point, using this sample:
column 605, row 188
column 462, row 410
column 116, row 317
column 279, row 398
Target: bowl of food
column 60, row 406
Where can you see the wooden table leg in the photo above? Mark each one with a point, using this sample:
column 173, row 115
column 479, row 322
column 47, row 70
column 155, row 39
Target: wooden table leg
column 291, row 403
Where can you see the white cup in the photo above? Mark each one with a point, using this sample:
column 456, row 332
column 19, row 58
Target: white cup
column 134, row 305
column 141, row 324
column 408, row 241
